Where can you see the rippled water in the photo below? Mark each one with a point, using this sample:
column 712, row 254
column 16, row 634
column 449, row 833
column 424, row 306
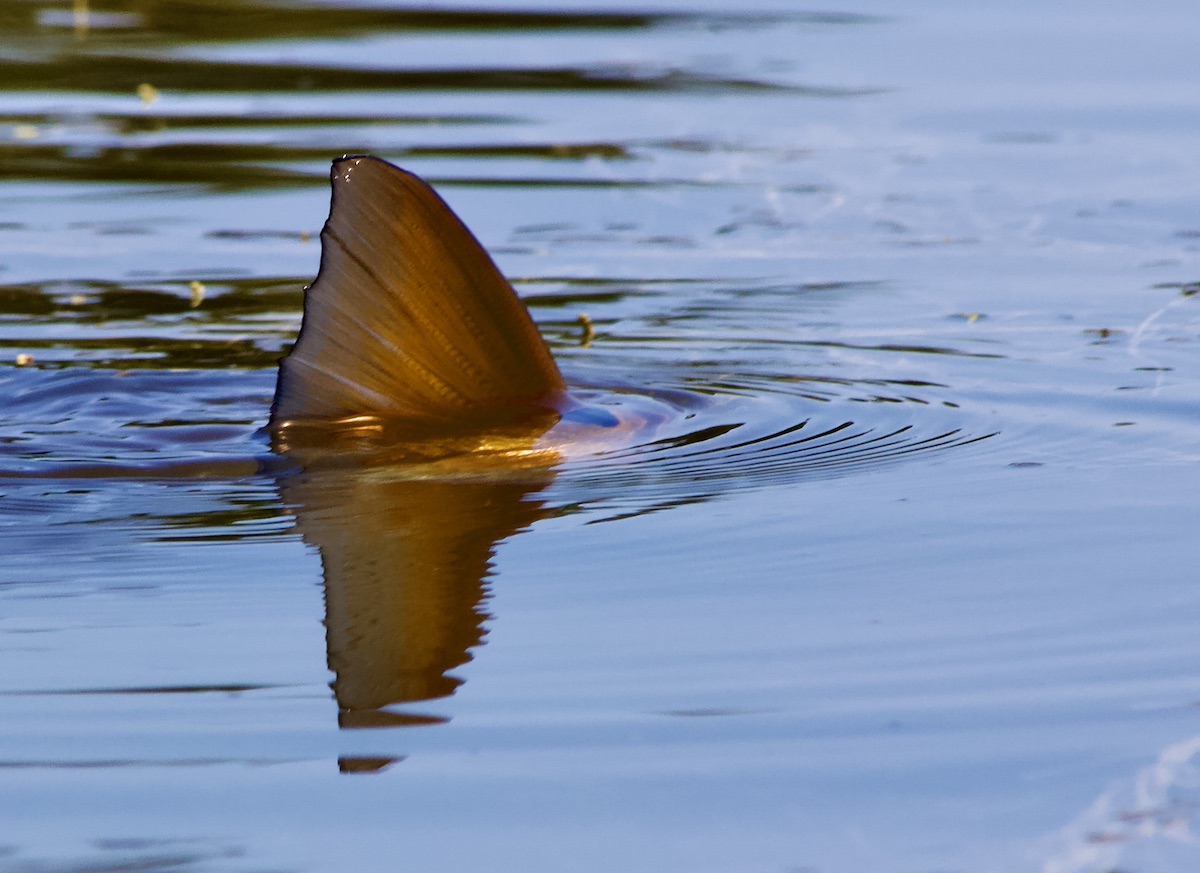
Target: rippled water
column 900, row 578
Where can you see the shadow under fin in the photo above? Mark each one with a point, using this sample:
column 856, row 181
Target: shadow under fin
column 409, row 320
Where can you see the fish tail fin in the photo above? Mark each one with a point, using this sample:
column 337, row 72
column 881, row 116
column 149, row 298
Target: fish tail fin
column 409, row 319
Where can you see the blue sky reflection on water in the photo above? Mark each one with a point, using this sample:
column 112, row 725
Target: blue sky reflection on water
column 904, row 586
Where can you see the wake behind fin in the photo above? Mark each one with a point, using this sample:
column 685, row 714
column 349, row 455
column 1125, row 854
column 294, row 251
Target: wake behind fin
column 408, row 320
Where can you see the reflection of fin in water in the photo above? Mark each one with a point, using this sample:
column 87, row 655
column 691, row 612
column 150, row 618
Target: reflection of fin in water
column 408, row 319
column 404, row 562
column 365, row 763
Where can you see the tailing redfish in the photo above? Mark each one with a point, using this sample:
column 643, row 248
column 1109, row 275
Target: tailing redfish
column 411, row 333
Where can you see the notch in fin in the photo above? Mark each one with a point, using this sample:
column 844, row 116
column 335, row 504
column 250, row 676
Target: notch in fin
column 409, row 320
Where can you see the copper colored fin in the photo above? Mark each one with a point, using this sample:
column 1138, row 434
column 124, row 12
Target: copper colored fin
column 408, row 319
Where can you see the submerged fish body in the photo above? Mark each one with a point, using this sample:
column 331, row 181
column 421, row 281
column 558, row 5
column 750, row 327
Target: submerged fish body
column 413, row 341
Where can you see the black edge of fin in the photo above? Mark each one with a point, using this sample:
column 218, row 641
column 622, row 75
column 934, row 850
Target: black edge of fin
column 408, row 319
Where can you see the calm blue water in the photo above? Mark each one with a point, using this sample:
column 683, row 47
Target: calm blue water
column 906, row 583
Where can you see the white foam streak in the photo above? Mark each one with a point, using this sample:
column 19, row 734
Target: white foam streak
column 1145, row 822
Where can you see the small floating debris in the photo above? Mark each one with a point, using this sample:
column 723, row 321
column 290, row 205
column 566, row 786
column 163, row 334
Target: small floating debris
column 1104, row 332
column 969, row 317
column 25, row 131
column 1187, row 289
column 1102, row 837
column 589, row 329
column 147, row 93
column 23, row 360
column 196, row 289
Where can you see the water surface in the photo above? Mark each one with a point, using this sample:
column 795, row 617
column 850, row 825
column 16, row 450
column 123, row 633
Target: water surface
column 901, row 581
